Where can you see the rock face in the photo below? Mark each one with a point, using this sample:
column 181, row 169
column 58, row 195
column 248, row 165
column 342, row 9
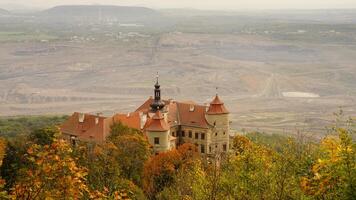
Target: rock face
column 100, row 12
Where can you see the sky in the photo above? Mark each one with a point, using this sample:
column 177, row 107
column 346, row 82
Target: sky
column 196, row 4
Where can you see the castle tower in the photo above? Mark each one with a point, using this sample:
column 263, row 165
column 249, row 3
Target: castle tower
column 218, row 117
column 158, row 133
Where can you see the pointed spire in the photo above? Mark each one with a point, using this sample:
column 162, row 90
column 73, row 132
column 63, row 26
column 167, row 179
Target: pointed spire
column 217, row 106
column 157, row 76
column 157, row 103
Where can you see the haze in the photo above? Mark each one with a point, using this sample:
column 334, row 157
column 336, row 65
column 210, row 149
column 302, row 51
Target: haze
column 197, row 4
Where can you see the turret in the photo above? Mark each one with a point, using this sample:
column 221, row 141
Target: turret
column 218, row 117
column 158, row 132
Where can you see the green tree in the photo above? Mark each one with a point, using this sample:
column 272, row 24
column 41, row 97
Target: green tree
column 45, row 136
column 118, row 129
column 14, row 160
column 132, row 152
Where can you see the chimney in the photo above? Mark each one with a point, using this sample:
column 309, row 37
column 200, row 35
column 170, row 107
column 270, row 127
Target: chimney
column 206, row 107
column 81, row 117
column 97, row 118
column 143, row 119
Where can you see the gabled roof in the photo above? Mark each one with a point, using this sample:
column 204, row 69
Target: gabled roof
column 192, row 115
column 87, row 126
column 157, row 123
column 217, row 107
column 132, row 120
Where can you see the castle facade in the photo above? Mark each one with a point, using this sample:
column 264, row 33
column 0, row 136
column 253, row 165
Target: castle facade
column 165, row 123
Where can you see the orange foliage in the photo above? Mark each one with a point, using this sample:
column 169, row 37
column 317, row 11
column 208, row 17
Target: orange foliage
column 52, row 173
column 160, row 169
column 241, row 143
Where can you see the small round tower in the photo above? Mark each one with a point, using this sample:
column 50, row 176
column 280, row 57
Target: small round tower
column 218, row 117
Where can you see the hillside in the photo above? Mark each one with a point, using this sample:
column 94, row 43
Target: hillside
column 100, row 12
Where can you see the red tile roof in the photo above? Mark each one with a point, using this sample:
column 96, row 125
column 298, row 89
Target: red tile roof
column 192, row 115
column 157, row 123
column 217, row 107
column 172, row 114
column 97, row 128
column 132, row 120
column 92, row 127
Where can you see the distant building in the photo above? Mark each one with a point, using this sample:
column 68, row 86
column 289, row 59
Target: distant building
column 165, row 123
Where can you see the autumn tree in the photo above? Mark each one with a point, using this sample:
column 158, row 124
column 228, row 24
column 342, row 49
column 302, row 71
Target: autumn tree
column 52, row 173
column 160, row 170
column 247, row 174
column 190, row 182
column 333, row 176
column 3, row 193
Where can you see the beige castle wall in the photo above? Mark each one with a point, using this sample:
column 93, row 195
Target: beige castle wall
column 220, row 133
column 212, row 142
column 164, row 140
column 198, row 141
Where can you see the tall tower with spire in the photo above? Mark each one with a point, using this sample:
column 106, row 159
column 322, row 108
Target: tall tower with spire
column 157, row 103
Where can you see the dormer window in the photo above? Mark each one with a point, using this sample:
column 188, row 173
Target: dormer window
column 191, row 108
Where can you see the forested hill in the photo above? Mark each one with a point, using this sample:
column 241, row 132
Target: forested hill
column 126, row 13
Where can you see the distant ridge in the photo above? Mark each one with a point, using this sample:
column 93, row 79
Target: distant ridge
column 126, row 13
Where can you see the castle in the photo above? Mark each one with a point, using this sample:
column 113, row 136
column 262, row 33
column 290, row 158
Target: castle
column 165, row 123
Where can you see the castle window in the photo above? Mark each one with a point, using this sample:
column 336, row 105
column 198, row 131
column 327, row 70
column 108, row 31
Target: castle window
column 156, row 140
column 209, row 149
column 196, row 135
column 202, row 148
column 190, row 134
column 183, row 134
column 224, row 132
column 173, row 134
column 216, row 134
column 202, row 136
column 224, row 147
